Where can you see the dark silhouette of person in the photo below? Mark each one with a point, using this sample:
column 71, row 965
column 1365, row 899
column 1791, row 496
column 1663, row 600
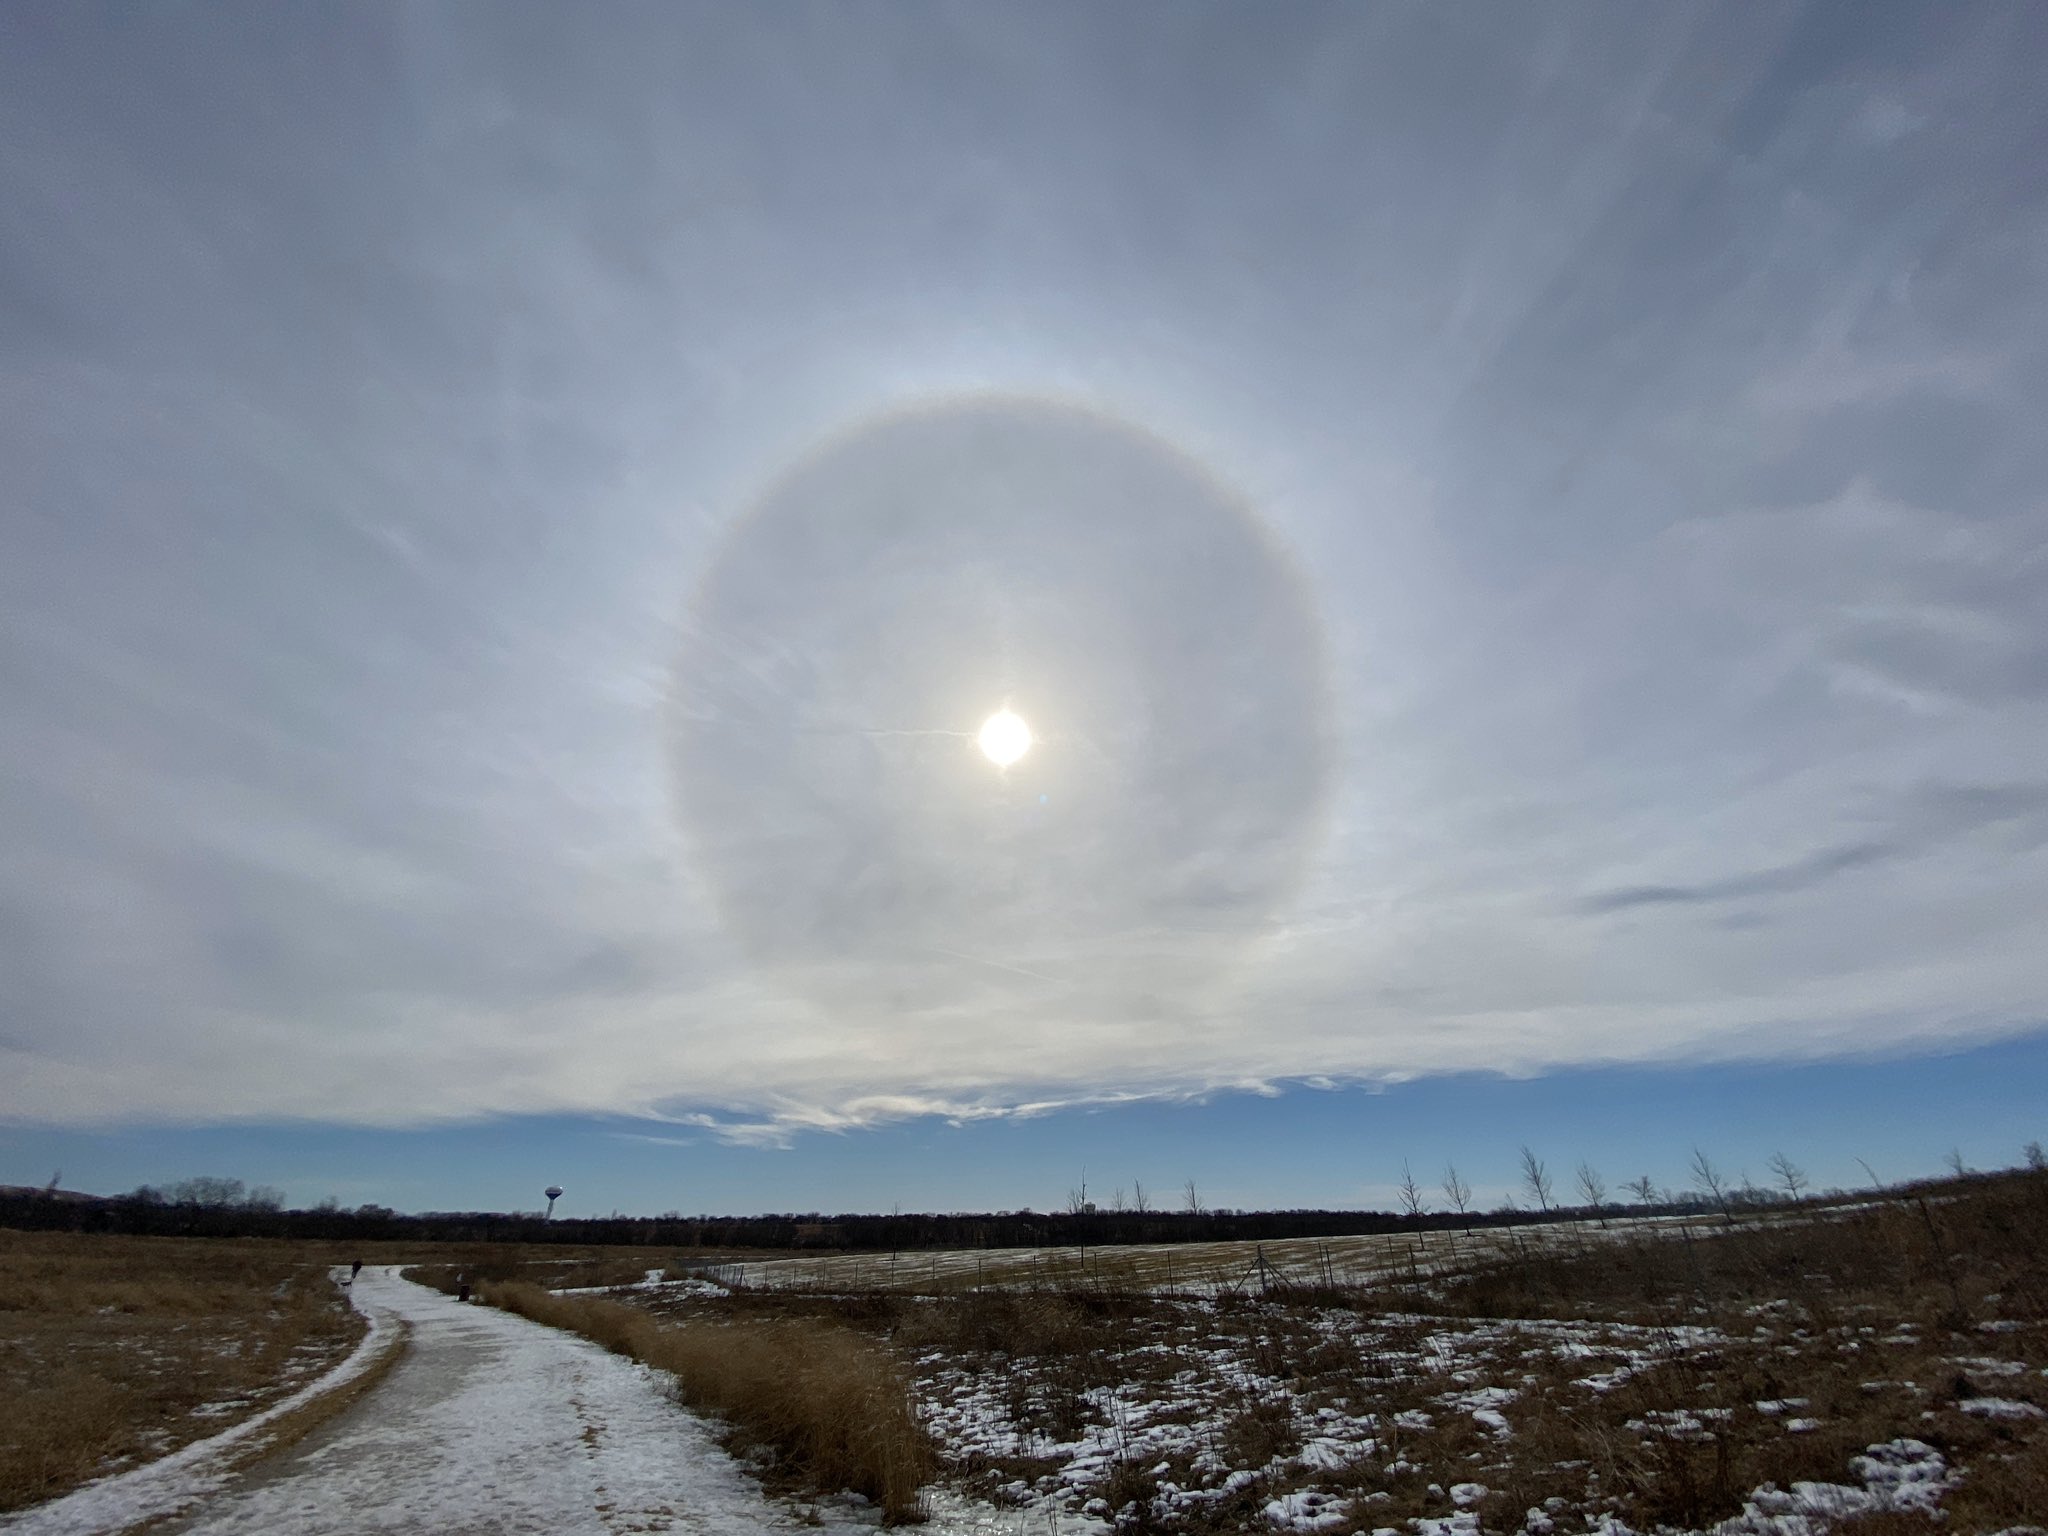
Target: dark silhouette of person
column 462, row 1287
column 355, row 1269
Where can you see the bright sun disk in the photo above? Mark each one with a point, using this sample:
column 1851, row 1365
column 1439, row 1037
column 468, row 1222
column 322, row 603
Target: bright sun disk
column 1004, row 738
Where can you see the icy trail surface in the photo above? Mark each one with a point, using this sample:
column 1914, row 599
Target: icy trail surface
column 495, row 1424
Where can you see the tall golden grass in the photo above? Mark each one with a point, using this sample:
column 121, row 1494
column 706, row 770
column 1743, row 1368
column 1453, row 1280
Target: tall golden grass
column 110, row 1346
column 57, row 1428
column 834, row 1406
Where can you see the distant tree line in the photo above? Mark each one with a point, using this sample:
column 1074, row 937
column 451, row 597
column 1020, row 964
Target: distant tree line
column 215, row 1207
column 223, row 1208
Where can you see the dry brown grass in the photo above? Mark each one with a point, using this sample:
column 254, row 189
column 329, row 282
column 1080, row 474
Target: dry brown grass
column 834, row 1410
column 1876, row 1318
column 116, row 1350
column 1965, row 1254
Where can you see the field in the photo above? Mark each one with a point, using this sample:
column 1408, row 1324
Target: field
column 116, row 1350
column 1881, row 1368
column 1191, row 1269
column 1878, row 1368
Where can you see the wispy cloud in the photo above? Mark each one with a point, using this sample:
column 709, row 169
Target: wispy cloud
column 1799, row 875
column 1545, row 569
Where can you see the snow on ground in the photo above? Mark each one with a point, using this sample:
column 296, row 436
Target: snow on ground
column 1999, row 1408
column 490, row 1423
column 1192, row 1269
column 972, row 1412
column 654, row 1280
column 1898, row 1475
column 1309, row 1511
column 181, row 1480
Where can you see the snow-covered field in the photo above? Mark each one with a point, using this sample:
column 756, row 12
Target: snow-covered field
column 1194, row 1269
column 1773, row 1377
column 1220, row 1442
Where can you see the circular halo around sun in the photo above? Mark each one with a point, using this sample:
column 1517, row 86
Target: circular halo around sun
column 843, row 647
column 1004, row 738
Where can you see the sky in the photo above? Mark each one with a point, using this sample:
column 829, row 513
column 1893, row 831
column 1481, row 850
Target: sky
column 1521, row 538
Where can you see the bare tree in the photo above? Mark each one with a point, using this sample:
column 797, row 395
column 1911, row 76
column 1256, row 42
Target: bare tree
column 1139, row 1200
column 1711, row 1182
column 1787, row 1173
column 209, row 1191
column 1591, row 1185
column 1411, row 1196
column 1116, row 1200
column 1536, row 1179
column 1193, row 1198
column 1077, row 1199
column 1955, row 1162
column 1456, row 1190
column 1644, row 1189
column 2036, row 1158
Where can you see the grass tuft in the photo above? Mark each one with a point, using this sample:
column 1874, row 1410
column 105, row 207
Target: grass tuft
column 831, row 1406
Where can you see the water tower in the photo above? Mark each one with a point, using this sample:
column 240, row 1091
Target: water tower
column 554, row 1193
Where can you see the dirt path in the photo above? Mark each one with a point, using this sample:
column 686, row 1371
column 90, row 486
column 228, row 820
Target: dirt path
column 494, row 1424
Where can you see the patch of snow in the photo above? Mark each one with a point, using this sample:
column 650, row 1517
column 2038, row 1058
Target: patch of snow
column 1984, row 1365
column 1898, row 1475
column 1999, row 1408
column 1328, row 1454
column 1308, row 1510
column 1485, row 1404
column 1676, row 1423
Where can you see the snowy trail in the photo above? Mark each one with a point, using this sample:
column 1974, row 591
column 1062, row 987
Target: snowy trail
column 495, row 1424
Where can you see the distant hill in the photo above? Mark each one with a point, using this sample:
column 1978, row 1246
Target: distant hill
column 37, row 1192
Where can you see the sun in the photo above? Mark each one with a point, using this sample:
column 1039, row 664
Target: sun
column 1004, row 738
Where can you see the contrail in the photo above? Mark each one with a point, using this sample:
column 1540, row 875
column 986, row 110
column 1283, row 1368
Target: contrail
column 998, row 965
column 863, row 730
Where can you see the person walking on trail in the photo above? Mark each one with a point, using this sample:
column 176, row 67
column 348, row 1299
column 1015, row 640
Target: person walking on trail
column 462, row 1287
column 355, row 1269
